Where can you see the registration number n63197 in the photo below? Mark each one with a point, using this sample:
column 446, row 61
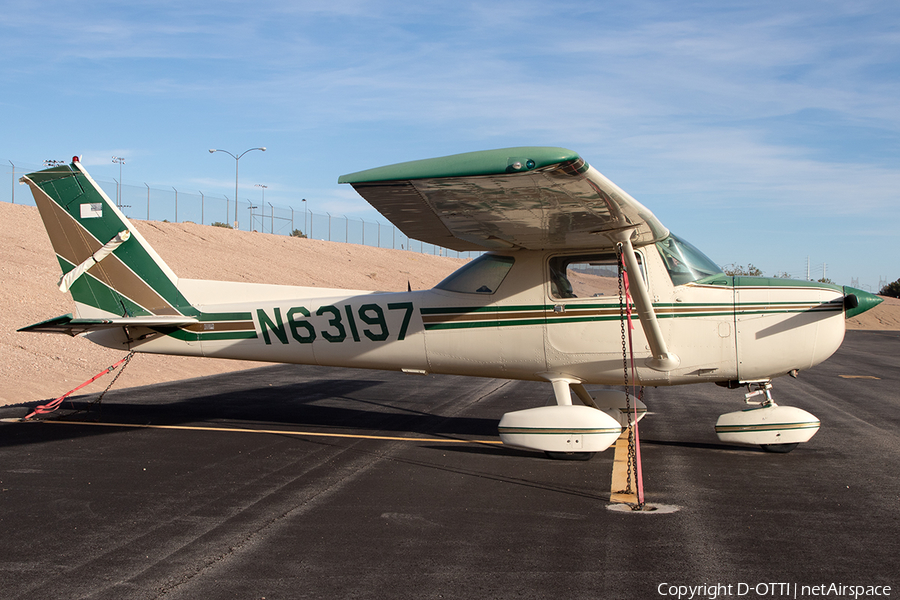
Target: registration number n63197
column 333, row 323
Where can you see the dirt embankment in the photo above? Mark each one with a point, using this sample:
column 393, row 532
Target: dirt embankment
column 37, row 366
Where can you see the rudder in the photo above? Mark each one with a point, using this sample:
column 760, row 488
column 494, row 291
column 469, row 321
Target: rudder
column 127, row 279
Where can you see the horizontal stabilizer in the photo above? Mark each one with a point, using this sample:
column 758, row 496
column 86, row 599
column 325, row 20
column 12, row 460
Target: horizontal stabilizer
column 71, row 326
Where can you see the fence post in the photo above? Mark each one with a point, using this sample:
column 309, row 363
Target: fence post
column 176, row 204
column 148, row 200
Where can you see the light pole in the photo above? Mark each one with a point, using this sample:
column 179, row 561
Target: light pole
column 236, row 159
column 263, row 186
column 304, row 218
column 120, row 161
column 252, row 208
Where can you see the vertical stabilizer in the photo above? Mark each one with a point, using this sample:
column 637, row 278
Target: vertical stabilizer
column 107, row 266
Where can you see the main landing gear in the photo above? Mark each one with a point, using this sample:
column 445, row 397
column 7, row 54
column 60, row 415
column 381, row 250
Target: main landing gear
column 774, row 428
column 567, row 432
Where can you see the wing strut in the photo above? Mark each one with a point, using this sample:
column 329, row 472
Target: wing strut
column 662, row 360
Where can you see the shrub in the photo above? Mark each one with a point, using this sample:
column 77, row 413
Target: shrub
column 734, row 269
column 891, row 289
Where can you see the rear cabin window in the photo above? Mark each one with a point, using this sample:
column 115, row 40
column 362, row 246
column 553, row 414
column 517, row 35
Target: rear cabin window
column 585, row 276
column 481, row 276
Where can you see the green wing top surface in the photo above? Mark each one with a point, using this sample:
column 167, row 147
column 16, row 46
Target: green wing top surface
column 525, row 197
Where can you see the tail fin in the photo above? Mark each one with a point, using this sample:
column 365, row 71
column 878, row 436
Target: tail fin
column 108, row 267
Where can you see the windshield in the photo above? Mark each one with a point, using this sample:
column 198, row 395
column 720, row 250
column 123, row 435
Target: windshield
column 481, row 276
column 684, row 262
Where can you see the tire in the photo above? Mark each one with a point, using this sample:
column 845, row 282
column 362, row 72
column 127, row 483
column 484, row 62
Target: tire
column 779, row 448
column 570, row 455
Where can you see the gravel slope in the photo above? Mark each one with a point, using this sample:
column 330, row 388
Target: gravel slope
column 38, row 366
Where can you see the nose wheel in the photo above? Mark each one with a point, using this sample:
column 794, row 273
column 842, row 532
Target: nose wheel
column 774, row 428
column 779, row 448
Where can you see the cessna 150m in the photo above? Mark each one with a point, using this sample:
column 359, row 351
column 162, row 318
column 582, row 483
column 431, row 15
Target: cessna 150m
column 532, row 307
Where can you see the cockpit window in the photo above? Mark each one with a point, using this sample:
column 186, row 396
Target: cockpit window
column 684, row 262
column 481, row 276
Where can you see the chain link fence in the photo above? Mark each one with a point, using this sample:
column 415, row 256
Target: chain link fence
column 181, row 206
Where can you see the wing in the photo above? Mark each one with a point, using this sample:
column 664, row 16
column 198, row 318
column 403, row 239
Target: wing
column 529, row 197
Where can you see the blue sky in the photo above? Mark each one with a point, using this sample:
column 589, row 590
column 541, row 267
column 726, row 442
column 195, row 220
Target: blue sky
column 763, row 132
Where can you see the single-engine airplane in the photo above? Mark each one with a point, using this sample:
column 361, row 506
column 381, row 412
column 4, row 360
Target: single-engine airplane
column 541, row 304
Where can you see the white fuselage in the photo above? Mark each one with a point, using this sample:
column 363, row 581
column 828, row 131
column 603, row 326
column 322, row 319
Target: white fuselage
column 730, row 329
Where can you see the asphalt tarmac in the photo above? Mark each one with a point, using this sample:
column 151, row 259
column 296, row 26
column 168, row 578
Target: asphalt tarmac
column 290, row 482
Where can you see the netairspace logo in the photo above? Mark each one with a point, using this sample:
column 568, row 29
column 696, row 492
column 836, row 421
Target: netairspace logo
column 796, row 591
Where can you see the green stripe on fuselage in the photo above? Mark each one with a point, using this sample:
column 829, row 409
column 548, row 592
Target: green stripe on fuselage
column 511, row 316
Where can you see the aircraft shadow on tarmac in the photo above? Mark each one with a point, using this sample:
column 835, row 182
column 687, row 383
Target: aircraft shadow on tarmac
column 357, row 402
column 296, row 398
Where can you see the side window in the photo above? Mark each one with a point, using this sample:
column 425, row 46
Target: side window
column 481, row 276
column 585, row 276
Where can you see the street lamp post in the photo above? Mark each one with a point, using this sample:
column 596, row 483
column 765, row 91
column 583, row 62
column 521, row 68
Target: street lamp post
column 262, row 224
column 304, row 217
column 120, row 161
column 236, row 160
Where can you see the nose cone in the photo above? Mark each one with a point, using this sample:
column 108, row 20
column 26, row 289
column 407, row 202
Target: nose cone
column 857, row 301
